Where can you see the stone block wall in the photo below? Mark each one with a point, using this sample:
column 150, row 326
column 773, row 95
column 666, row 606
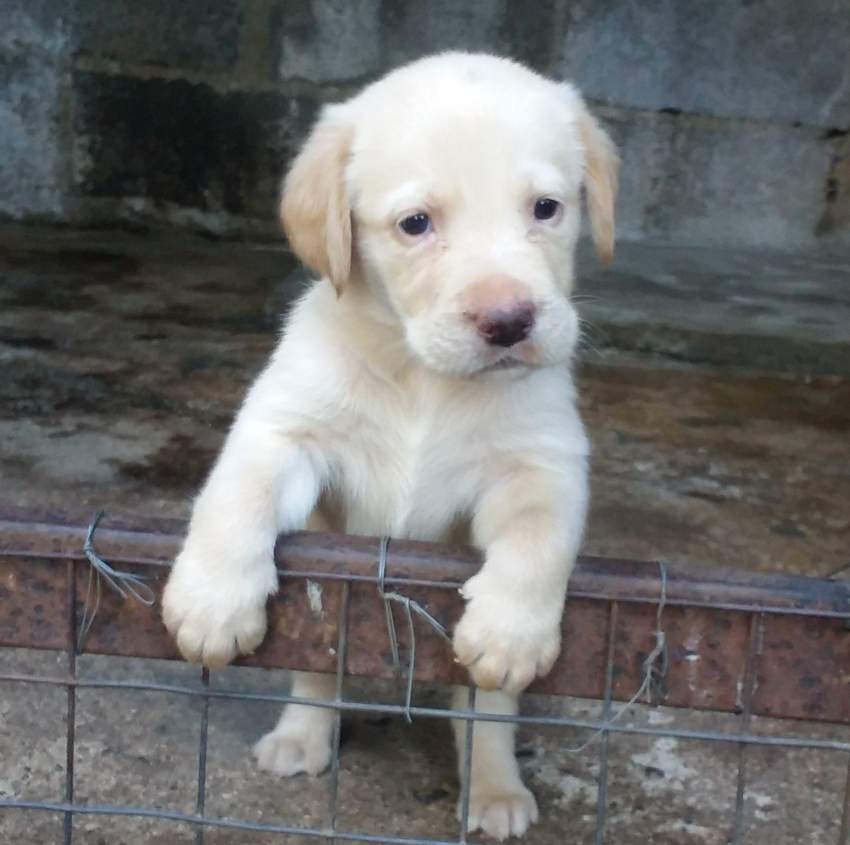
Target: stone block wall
column 732, row 115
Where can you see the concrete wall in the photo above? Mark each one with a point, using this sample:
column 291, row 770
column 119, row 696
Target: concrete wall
column 732, row 115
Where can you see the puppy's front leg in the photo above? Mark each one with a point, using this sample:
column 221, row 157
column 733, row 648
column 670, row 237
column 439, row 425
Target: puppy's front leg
column 499, row 802
column 529, row 525
column 264, row 482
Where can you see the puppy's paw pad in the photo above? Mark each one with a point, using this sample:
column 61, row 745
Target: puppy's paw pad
column 289, row 754
column 502, row 812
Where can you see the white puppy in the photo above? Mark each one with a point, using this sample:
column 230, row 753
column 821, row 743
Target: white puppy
column 423, row 385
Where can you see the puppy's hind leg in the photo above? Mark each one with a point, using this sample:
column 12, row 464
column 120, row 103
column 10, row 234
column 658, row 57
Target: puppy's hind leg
column 499, row 802
column 301, row 741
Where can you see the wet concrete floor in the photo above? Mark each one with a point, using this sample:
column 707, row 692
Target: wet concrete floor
column 122, row 362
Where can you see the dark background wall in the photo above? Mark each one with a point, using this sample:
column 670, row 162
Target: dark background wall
column 732, row 116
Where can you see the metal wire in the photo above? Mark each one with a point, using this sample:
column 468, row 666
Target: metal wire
column 71, row 692
column 125, row 584
column 410, row 607
column 202, row 755
column 753, row 651
column 411, row 581
column 602, row 787
column 341, row 655
column 466, row 768
column 214, row 821
column 654, row 670
column 844, row 833
column 781, row 741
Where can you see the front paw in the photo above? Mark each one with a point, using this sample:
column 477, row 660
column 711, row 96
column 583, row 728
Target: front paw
column 504, row 640
column 215, row 615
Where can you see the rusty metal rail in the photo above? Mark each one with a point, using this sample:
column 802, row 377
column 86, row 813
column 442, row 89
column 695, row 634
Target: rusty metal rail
column 801, row 660
column 739, row 642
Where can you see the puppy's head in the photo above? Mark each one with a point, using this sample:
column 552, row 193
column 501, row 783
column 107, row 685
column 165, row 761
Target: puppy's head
column 451, row 190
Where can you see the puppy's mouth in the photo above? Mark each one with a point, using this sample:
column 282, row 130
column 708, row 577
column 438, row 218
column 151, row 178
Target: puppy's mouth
column 503, row 364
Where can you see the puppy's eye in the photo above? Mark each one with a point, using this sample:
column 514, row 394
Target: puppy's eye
column 415, row 225
column 546, row 208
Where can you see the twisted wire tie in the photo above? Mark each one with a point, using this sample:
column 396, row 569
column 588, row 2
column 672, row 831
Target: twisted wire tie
column 410, row 607
column 654, row 670
column 125, row 584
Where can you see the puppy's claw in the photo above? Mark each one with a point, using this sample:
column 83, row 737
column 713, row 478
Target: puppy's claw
column 502, row 646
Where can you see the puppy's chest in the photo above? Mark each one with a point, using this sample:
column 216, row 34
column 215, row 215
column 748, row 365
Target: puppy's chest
column 409, row 473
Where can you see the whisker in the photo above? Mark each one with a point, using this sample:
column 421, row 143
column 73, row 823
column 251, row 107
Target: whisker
column 578, row 298
column 592, row 338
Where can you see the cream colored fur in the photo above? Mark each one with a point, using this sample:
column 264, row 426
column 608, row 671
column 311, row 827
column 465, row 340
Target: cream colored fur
column 384, row 411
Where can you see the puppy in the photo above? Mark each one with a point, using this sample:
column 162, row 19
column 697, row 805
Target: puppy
column 422, row 388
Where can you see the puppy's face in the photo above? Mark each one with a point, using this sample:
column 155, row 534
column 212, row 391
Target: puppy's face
column 453, row 186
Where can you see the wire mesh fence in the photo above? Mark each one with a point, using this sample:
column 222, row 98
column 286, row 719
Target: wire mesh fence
column 740, row 643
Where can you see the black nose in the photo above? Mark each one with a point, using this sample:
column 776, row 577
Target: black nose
column 506, row 328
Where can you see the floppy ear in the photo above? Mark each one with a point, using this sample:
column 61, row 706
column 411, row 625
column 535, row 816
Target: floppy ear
column 602, row 168
column 314, row 207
